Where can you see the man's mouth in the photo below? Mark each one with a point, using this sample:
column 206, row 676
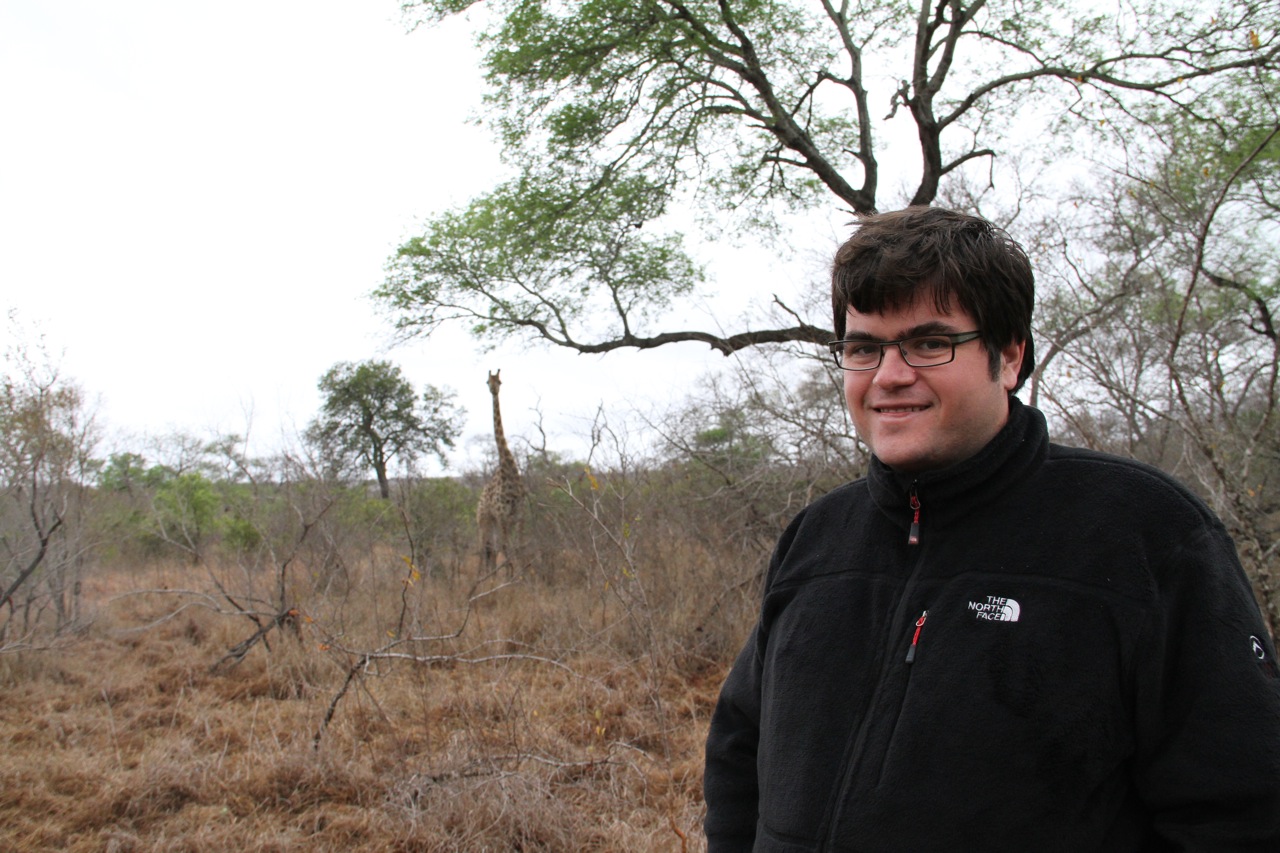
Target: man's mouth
column 898, row 410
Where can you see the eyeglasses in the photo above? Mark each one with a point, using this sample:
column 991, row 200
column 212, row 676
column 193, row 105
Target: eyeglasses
column 919, row 351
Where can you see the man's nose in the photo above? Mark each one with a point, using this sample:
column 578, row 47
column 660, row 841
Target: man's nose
column 893, row 369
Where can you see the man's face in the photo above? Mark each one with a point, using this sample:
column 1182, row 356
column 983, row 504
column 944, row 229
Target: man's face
column 919, row 419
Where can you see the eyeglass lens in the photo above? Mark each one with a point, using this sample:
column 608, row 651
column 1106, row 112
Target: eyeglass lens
column 923, row 351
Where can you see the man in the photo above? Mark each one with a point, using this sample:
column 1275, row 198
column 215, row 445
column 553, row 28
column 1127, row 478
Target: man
column 990, row 643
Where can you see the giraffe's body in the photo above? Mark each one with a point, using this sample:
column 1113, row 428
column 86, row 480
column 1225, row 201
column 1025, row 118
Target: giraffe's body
column 498, row 513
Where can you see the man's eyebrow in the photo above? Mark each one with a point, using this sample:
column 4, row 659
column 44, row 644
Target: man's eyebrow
column 933, row 327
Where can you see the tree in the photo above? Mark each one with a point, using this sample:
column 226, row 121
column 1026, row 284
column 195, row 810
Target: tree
column 760, row 445
column 125, row 472
column 614, row 113
column 372, row 416
column 47, row 436
column 186, row 509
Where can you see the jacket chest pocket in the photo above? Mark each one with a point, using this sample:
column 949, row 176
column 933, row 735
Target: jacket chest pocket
column 1017, row 677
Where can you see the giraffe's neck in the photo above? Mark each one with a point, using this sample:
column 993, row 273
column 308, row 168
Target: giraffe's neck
column 506, row 460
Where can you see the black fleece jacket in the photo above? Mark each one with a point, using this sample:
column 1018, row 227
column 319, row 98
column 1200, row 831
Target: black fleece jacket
column 1070, row 658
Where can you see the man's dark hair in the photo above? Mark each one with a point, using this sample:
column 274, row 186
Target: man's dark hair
column 895, row 258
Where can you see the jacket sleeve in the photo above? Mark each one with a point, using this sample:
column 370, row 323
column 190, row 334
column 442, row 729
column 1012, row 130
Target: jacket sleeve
column 1207, row 704
column 731, row 777
column 730, row 782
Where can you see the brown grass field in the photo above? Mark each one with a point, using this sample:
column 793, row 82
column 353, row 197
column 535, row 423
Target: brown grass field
column 514, row 715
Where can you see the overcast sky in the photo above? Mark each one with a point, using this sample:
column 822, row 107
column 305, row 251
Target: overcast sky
column 196, row 199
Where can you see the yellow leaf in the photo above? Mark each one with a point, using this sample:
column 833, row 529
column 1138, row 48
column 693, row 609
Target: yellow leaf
column 1254, row 40
column 324, row 647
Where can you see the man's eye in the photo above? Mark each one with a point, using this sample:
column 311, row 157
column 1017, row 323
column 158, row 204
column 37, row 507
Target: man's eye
column 929, row 347
column 861, row 350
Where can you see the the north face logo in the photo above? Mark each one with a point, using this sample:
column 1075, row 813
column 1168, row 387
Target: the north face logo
column 996, row 609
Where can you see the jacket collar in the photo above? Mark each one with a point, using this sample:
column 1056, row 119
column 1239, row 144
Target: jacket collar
column 949, row 493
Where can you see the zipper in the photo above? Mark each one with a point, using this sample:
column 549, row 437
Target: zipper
column 915, row 639
column 851, row 776
column 913, row 535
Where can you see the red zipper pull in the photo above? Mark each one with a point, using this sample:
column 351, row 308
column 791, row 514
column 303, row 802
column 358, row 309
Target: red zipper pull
column 915, row 640
column 913, row 535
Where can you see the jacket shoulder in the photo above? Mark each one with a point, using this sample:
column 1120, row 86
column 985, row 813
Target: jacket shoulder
column 824, row 525
column 1127, row 486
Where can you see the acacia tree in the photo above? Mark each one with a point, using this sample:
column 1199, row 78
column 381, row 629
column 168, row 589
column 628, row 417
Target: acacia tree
column 371, row 416
column 615, row 112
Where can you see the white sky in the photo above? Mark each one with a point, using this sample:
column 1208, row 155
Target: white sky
column 196, row 199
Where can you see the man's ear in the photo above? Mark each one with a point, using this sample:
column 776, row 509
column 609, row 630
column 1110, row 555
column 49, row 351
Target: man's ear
column 1011, row 364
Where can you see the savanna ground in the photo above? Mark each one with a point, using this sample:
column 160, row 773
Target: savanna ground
column 540, row 726
column 295, row 664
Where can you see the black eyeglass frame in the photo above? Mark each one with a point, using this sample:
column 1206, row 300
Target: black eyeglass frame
column 955, row 339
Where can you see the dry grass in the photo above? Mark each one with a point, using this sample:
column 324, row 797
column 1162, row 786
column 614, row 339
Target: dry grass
column 581, row 730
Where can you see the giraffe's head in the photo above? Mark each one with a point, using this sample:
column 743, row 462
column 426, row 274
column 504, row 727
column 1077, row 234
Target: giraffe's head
column 494, row 382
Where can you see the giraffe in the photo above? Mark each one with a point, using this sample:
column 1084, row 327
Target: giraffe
column 498, row 513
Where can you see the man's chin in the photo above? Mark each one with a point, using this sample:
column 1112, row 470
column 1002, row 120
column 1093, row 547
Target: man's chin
column 907, row 459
